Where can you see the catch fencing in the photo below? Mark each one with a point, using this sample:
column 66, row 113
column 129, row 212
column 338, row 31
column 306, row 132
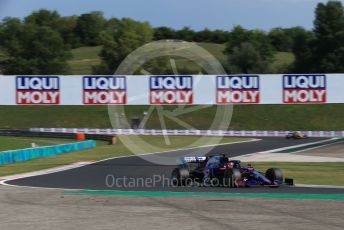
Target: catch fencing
column 239, row 133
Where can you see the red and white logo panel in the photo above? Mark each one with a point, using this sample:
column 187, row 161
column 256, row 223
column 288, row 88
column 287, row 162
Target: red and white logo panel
column 100, row 90
column 242, row 89
column 37, row 90
column 170, row 90
column 303, row 89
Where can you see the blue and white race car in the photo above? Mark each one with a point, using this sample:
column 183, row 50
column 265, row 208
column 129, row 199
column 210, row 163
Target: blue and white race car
column 218, row 170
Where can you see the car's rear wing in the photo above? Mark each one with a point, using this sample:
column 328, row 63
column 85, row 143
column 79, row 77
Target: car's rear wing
column 189, row 160
column 194, row 159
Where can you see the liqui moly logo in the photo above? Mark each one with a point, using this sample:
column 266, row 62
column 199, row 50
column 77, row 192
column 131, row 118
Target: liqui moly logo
column 170, row 90
column 237, row 89
column 99, row 90
column 304, row 89
column 42, row 90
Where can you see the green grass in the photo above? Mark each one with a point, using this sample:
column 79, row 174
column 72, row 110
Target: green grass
column 289, row 117
column 308, row 173
column 104, row 151
column 12, row 143
column 216, row 50
column 245, row 117
column 3, row 55
column 53, row 116
column 282, row 60
column 86, row 57
column 83, row 60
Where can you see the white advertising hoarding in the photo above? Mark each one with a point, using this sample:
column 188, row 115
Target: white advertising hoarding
column 174, row 90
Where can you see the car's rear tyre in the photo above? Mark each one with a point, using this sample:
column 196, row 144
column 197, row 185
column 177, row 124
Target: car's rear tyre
column 231, row 177
column 274, row 174
column 180, row 177
column 288, row 136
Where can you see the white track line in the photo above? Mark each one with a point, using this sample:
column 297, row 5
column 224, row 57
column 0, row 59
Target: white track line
column 319, row 186
column 298, row 146
column 316, row 147
column 47, row 171
column 4, row 180
column 181, row 149
column 284, row 148
column 257, row 157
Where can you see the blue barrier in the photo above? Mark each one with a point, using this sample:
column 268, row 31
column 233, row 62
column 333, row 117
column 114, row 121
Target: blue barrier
column 13, row 156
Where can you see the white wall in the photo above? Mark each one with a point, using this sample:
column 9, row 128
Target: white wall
column 135, row 90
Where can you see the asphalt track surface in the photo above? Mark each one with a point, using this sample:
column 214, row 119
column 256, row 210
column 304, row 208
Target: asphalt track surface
column 101, row 175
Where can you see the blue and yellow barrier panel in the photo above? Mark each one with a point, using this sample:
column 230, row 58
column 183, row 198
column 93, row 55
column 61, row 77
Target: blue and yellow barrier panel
column 19, row 155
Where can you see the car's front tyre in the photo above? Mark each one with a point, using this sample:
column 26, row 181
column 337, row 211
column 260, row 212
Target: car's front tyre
column 274, row 174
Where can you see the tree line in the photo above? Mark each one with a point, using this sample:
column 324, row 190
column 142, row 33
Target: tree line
column 41, row 43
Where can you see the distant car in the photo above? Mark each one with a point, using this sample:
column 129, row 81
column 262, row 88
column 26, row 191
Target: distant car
column 218, row 170
column 296, row 135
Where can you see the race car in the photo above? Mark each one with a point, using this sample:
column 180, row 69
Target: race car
column 218, row 170
column 296, row 135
